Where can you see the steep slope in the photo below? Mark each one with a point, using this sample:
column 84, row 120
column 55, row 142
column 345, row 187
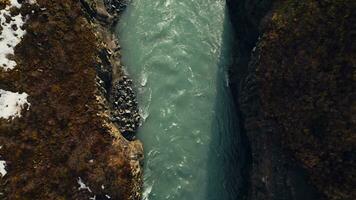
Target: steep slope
column 65, row 145
column 293, row 79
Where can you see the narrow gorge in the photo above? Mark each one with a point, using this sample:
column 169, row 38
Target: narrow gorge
column 178, row 54
column 177, row 99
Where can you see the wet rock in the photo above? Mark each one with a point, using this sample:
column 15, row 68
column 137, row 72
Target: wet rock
column 104, row 68
column 125, row 110
column 116, row 6
column 89, row 10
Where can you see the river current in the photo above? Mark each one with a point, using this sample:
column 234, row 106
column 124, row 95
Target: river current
column 177, row 52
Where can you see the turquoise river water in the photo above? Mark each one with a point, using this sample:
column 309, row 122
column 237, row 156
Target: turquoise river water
column 177, row 52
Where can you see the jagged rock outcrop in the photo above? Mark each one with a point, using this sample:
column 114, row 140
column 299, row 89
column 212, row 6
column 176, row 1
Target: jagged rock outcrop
column 293, row 80
column 117, row 86
column 65, row 145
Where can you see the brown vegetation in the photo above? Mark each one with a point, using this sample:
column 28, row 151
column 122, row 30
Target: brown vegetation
column 306, row 72
column 66, row 133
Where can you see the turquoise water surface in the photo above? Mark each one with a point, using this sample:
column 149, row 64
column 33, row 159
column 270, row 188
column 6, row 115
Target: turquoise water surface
column 177, row 52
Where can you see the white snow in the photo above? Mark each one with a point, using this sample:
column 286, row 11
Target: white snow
column 11, row 104
column 3, row 171
column 15, row 3
column 11, row 33
column 82, row 185
column 32, row 1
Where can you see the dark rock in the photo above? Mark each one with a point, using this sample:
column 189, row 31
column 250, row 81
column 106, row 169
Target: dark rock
column 104, row 68
column 89, row 10
column 116, row 6
column 291, row 79
column 126, row 115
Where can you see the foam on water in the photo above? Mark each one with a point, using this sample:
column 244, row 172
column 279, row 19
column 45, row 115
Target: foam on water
column 177, row 51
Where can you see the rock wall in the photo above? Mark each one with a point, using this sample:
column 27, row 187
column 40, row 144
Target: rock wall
column 66, row 145
column 293, row 79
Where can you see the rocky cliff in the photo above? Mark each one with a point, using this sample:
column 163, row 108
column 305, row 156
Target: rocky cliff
column 293, row 79
column 64, row 140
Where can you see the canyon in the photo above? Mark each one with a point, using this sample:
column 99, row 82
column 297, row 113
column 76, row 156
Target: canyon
column 243, row 99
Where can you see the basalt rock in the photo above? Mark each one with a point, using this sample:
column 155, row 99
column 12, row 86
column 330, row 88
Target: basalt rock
column 116, row 6
column 293, row 81
column 125, row 110
column 65, row 146
column 112, row 78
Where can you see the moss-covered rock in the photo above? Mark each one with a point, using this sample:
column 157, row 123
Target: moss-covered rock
column 300, row 82
column 306, row 69
column 66, row 137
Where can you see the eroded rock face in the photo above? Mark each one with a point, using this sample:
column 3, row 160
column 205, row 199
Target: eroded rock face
column 65, row 146
column 295, row 89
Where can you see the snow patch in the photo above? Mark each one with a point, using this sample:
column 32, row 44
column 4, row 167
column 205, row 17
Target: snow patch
column 82, row 185
column 11, row 104
column 3, row 171
column 32, row 1
column 11, row 33
column 15, row 3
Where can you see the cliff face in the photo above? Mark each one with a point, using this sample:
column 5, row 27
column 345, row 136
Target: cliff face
column 293, row 79
column 65, row 145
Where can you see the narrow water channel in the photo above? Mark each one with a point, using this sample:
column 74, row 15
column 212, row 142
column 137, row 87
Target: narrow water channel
column 177, row 52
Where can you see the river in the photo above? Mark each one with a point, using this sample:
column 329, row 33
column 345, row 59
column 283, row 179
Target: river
column 177, row 52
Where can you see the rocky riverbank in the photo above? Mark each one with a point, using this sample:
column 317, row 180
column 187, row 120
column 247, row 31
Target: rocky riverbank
column 63, row 142
column 293, row 80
